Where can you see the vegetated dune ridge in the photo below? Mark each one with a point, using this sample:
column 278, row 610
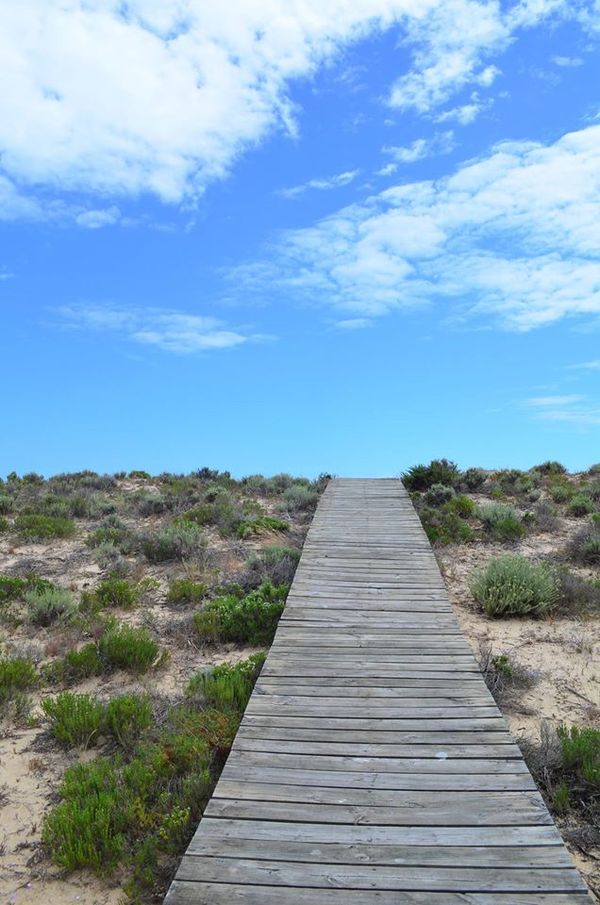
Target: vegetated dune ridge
column 542, row 665
column 160, row 555
column 198, row 566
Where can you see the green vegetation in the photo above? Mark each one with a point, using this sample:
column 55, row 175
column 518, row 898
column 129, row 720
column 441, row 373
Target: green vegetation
column 47, row 605
column 473, row 479
column 568, row 766
column 179, row 540
column 127, row 647
column 37, row 527
column 112, row 531
column 514, row 586
column 17, row 675
column 82, row 663
column 128, row 717
column 184, row 590
column 501, row 522
column 438, row 494
column 16, row 588
column 262, row 524
column 445, row 526
column 439, row 471
column 585, row 546
column 228, row 686
column 116, row 592
column 580, row 504
column 75, row 719
column 235, row 616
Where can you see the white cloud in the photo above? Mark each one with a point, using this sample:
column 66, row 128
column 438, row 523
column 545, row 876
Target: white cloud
column 568, row 61
column 119, row 99
column 514, row 236
column 421, row 148
column 593, row 365
column 172, row 331
column 573, row 409
column 388, row 170
column 331, row 182
column 354, row 323
column 98, row 218
column 465, row 113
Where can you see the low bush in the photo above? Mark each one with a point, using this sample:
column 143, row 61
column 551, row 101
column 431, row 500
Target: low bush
column 461, row 505
column 501, row 522
column 585, row 545
column 16, row 676
column 128, row 717
column 503, row 675
column 179, row 540
column 7, row 504
column 299, row 498
column 37, row 527
column 75, row 719
column 576, row 595
column 473, row 479
column 13, row 588
column 514, row 586
column 48, row 605
column 544, row 518
column 128, row 647
column 276, row 564
column 250, row 618
column 116, row 592
column 438, row 494
column 184, row 590
column 443, row 526
column 561, row 492
column 439, row 471
column 262, row 524
column 228, row 685
column 580, row 505
column 82, row 663
column 4, row 526
column 115, row 532
column 550, row 468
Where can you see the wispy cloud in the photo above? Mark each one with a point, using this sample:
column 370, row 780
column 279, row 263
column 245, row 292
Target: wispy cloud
column 593, row 365
column 171, row 331
column 465, row 114
column 513, row 237
column 441, row 143
column 321, row 185
column 569, row 409
column 568, row 61
column 354, row 323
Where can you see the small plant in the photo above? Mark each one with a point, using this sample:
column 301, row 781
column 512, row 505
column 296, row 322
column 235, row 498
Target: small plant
column 16, row 676
column 585, row 545
column 36, row 527
column 49, row 605
column 75, row 719
column 503, row 675
column 82, row 663
column 4, row 526
column 443, row 526
column 16, row 588
column 262, row 524
column 576, row 595
column 580, row 505
column 501, row 522
column 299, row 498
column 251, row 618
column 462, row 506
column 473, row 479
column 514, row 586
column 580, row 749
column 228, row 685
column 550, row 468
column 128, row 647
column 438, row 494
column 439, row 471
column 116, row 592
column 561, row 492
column 112, row 531
column 6, row 504
column 127, row 718
column 179, row 540
column 184, row 590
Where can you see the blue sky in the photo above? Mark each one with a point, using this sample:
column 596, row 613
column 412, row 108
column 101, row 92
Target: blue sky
column 340, row 236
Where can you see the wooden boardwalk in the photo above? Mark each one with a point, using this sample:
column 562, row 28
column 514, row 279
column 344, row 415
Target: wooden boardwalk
column 372, row 766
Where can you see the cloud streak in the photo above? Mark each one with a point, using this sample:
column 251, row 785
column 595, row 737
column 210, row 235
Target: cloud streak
column 322, row 185
column 171, row 331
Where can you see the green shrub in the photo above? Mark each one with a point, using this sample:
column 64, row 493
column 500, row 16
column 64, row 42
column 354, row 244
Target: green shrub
column 116, row 592
column 228, row 685
column 443, row 526
column 580, row 750
column 128, row 717
column 593, row 491
column 514, row 586
column 6, row 504
column 4, row 526
column 150, row 503
column 501, row 522
column 580, row 505
column 16, row 588
column 87, row 828
column 128, row 647
column 112, row 531
column 585, row 545
column 184, row 590
column 75, row 719
column 299, row 498
column 438, row 494
column 36, row 527
column 16, row 675
column 83, row 663
column 550, row 468
column 473, row 479
column 179, row 540
column 439, row 471
column 462, row 506
column 262, row 524
column 48, row 605
column 251, row 618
